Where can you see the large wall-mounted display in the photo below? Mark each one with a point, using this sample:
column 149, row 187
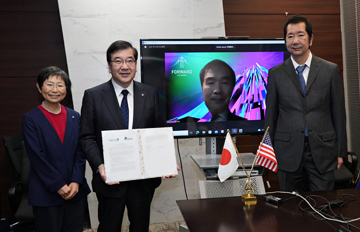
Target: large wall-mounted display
column 234, row 76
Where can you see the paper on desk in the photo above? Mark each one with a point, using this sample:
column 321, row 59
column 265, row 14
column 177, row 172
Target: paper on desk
column 138, row 153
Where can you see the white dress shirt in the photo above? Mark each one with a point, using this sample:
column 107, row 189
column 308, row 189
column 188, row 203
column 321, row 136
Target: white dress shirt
column 130, row 99
column 306, row 70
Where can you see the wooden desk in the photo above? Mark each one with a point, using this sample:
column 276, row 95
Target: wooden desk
column 231, row 214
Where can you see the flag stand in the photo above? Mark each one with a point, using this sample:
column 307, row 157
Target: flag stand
column 249, row 198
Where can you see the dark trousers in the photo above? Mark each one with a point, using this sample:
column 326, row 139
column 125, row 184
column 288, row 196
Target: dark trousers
column 68, row 217
column 307, row 177
column 137, row 202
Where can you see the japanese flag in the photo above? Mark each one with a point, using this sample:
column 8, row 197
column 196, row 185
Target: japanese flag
column 228, row 162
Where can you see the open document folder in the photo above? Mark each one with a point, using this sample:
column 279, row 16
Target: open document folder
column 138, row 154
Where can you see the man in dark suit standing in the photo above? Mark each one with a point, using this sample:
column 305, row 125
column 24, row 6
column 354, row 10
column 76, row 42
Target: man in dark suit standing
column 306, row 113
column 119, row 103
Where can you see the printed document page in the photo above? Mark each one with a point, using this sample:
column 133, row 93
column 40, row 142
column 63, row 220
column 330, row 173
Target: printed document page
column 158, row 152
column 138, row 154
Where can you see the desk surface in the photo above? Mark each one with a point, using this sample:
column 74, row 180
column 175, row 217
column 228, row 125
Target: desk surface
column 231, row 214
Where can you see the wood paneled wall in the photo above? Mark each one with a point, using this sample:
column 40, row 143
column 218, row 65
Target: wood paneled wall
column 30, row 39
column 266, row 19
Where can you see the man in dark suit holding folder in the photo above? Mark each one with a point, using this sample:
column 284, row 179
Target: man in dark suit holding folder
column 119, row 103
column 306, row 114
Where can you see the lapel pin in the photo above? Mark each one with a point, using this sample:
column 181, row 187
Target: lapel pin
column 142, row 94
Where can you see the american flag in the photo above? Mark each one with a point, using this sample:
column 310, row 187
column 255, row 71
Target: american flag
column 266, row 156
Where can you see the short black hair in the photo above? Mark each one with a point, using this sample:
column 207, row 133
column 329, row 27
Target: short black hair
column 214, row 64
column 53, row 71
column 299, row 19
column 119, row 45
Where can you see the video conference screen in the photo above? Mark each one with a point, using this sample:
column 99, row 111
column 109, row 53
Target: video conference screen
column 234, row 86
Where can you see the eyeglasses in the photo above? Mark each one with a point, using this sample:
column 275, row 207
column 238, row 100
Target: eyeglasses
column 52, row 86
column 128, row 62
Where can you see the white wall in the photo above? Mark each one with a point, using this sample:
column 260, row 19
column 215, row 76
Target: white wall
column 90, row 26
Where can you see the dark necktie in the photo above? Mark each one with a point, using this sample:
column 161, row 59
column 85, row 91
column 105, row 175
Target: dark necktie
column 300, row 70
column 214, row 117
column 124, row 107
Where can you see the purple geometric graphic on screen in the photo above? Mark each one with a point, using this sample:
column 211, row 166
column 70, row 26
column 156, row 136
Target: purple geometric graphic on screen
column 248, row 98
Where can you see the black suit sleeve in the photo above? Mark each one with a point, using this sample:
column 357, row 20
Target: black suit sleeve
column 272, row 109
column 338, row 114
column 88, row 132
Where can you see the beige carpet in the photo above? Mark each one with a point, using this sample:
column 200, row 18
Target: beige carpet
column 159, row 227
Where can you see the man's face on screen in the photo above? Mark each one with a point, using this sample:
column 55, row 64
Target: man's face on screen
column 217, row 88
